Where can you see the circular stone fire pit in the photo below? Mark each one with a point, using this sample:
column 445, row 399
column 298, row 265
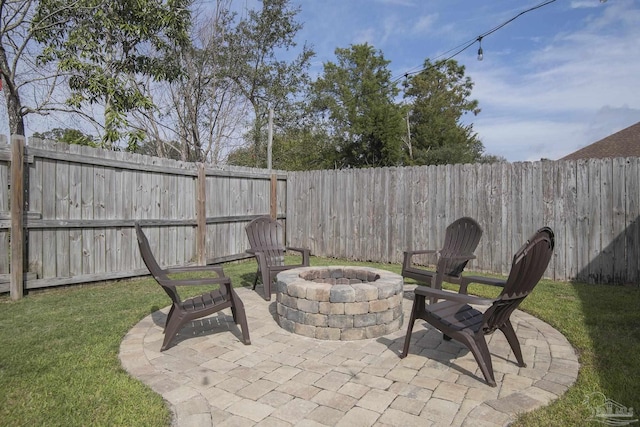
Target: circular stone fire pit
column 339, row 303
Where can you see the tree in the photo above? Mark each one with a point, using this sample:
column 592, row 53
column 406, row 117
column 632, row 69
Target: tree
column 198, row 115
column 106, row 45
column 365, row 122
column 69, row 136
column 439, row 97
column 294, row 149
column 19, row 71
column 263, row 79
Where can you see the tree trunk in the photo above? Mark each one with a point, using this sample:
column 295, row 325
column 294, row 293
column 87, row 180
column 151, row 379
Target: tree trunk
column 14, row 106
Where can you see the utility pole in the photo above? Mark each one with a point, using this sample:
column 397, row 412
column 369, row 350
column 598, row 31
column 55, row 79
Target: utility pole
column 270, row 140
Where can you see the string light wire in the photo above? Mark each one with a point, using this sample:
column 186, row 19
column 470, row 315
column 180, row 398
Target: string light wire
column 466, row 45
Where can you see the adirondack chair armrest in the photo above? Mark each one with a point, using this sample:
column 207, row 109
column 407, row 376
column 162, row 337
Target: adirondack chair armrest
column 491, row 281
column 202, row 282
column 196, row 268
column 253, row 251
column 451, row 296
column 301, row 250
column 306, row 253
column 408, row 255
column 421, row 252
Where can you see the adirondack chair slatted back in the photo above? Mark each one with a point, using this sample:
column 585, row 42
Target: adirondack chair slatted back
column 152, row 265
column 461, row 237
column 266, row 235
column 528, row 266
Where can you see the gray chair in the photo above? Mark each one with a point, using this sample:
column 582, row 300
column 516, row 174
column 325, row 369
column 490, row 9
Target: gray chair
column 457, row 319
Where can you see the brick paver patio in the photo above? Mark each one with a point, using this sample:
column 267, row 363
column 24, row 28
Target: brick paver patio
column 282, row 379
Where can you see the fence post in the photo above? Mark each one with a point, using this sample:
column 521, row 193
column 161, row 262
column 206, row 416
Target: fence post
column 274, row 196
column 201, row 216
column 16, row 286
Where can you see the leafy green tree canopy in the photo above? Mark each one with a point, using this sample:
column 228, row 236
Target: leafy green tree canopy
column 438, row 98
column 104, row 45
column 364, row 120
column 69, row 136
column 254, row 57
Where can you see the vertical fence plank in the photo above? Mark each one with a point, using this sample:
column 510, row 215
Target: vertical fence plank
column 201, row 216
column 584, row 219
column 633, row 221
column 5, row 173
column 34, row 195
column 570, row 220
column 606, row 220
column 557, row 203
column 595, row 226
column 75, row 212
column 49, row 183
column 87, row 196
column 618, row 220
column 506, row 223
column 517, row 197
column 16, row 285
column 62, row 213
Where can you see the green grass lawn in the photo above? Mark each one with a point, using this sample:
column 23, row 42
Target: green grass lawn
column 59, row 350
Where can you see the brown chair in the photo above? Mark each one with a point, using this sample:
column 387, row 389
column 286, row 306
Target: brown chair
column 265, row 238
column 190, row 309
column 458, row 320
column 460, row 241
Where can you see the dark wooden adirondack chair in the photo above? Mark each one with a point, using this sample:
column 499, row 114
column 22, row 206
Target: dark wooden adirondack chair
column 265, row 238
column 458, row 320
column 190, row 309
column 460, row 241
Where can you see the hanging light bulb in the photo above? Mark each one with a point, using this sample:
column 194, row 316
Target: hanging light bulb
column 480, row 53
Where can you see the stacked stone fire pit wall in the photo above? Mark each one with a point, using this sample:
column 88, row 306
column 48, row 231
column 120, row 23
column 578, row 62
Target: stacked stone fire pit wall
column 339, row 303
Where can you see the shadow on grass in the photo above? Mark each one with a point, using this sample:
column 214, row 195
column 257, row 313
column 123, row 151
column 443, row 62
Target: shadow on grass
column 612, row 321
column 609, row 294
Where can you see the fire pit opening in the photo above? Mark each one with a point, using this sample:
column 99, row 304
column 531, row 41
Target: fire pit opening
column 339, row 303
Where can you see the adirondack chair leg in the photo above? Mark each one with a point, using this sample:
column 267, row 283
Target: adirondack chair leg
column 255, row 279
column 239, row 316
column 171, row 330
column 512, row 338
column 166, row 322
column 480, row 351
column 418, row 307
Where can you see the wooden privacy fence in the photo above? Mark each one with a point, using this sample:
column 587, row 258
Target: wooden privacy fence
column 376, row 214
column 79, row 206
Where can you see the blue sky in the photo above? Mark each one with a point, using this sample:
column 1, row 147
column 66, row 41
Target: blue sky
column 553, row 80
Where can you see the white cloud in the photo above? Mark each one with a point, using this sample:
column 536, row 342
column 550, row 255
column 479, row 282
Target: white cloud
column 579, row 4
column 526, row 140
column 425, row 23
